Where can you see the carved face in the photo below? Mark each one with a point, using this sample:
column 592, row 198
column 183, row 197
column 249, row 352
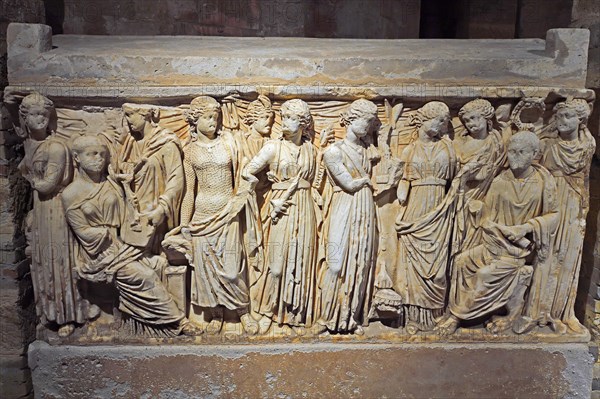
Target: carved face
column 37, row 119
column 92, row 159
column 475, row 123
column 520, row 156
column 135, row 120
column 207, row 123
column 290, row 125
column 437, row 126
column 361, row 125
column 567, row 120
column 263, row 124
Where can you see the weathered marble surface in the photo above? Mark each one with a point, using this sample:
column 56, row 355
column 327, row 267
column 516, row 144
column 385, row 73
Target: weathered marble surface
column 315, row 370
column 111, row 67
column 295, row 188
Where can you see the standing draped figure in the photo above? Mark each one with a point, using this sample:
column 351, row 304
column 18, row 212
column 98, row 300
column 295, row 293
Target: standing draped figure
column 350, row 230
column 424, row 223
column 48, row 168
column 480, row 155
column 215, row 198
column 150, row 168
column 286, row 288
column 567, row 156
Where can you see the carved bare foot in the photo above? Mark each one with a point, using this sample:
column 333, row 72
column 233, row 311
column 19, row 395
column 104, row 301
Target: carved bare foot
column 93, row 312
column 215, row 325
column 318, row 328
column 300, row 331
column 574, row 325
column 558, row 327
column 249, row 324
column 447, row 325
column 499, row 324
column 523, row 324
column 65, row 330
column 264, row 324
column 284, row 331
column 190, row 329
column 412, row 328
column 359, row 331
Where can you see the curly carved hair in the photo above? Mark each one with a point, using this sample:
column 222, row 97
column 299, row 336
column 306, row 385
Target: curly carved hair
column 358, row 108
column 300, row 108
column 257, row 108
column 427, row 112
column 30, row 101
column 481, row 106
column 199, row 106
column 579, row 105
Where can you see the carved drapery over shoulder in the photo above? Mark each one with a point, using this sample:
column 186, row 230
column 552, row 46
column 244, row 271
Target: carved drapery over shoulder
column 257, row 213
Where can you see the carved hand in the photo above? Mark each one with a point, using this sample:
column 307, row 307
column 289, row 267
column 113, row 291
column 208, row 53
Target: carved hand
column 515, row 233
column 278, row 207
column 402, row 192
column 357, row 184
column 327, row 136
column 253, row 180
column 157, row 216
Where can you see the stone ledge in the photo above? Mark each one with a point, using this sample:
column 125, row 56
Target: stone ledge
column 559, row 61
column 317, row 370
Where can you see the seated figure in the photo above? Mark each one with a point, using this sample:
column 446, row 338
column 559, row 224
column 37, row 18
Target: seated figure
column 95, row 211
column 519, row 216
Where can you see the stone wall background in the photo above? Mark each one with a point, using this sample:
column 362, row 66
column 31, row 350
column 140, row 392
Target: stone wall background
column 309, row 18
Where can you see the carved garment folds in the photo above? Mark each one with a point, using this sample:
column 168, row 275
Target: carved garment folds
column 260, row 216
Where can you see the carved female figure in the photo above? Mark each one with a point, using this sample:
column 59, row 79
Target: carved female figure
column 424, row 222
column 149, row 166
column 286, row 288
column 480, row 154
column 47, row 166
column 95, row 211
column 210, row 215
column 567, row 156
column 259, row 119
column 350, row 226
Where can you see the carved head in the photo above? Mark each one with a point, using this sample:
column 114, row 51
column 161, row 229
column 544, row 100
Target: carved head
column 361, row 117
column 477, row 116
column 37, row 116
column 138, row 115
column 523, row 148
column 431, row 119
column 296, row 119
column 260, row 115
column 571, row 114
column 90, row 154
column 203, row 116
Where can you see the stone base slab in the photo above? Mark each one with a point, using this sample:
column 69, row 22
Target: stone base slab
column 324, row 370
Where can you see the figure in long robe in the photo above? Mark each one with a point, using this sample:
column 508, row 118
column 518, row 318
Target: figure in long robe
column 149, row 166
column 286, row 288
column 424, row 224
column 211, row 218
column 95, row 211
column 350, row 229
column 480, row 155
column 567, row 154
column 48, row 168
column 519, row 218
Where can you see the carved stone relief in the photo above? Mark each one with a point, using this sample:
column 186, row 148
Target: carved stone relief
column 253, row 216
